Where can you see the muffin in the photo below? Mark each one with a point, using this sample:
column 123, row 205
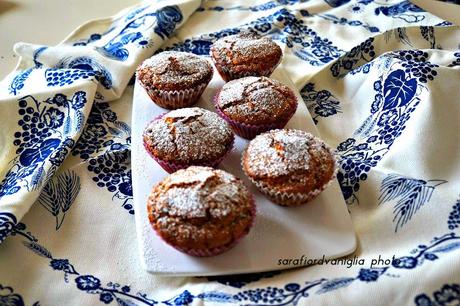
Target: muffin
column 290, row 166
column 188, row 136
column 174, row 79
column 253, row 105
column 245, row 54
column 201, row 211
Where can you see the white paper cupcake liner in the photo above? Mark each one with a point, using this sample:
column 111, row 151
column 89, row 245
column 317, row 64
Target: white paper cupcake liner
column 174, row 99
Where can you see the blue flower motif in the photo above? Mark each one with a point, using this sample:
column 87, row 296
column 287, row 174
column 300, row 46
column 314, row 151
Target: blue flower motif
column 323, row 95
column 117, row 147
column 309, row 87
column 59, row 264
column 405, row 262
column 59, row 156
column 378, row 100
column 368, row 275
column 292, row 287
column 87, row 282
column 448, row 294
column 125, row 289
column 109, row 115
column 263, row 27
column 53, row 117
column 184, row 298
column 371, row 139
column 387, row 117
column 106, row 297
column 343, row 146
column 96, row 131
column 60, row 99
column 423, row 300
column 79, row 99
column 325, row 111
column 377, row 85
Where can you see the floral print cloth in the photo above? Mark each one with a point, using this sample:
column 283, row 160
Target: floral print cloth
column 380, row 79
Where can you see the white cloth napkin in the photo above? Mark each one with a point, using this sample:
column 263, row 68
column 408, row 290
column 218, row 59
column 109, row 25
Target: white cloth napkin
column 379, row 78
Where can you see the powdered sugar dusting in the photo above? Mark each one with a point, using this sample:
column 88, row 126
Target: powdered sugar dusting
column 172, row 67
column 246, row 45
column 281, row 152
column 189, row 134
column 199, row 191
column 263, row 97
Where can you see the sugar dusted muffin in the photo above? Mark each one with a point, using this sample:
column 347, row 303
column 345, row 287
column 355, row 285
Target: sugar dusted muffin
column 174, row 79
column 188, row 136
column 245, row 54
column 253, row 105
column 290, row 166
column 201, row 211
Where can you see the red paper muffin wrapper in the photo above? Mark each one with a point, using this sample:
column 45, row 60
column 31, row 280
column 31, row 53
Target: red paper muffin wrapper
column 171, row 167
column 221, row 249
column 174, row 99
column 294, row 199
column 249, row 131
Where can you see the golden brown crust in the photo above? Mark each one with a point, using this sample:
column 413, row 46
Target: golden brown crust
column 200, row 208
column 289, row 161
column 172, row 70
column 256, row 101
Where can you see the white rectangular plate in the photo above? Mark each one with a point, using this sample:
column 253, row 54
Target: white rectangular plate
column 322, row 227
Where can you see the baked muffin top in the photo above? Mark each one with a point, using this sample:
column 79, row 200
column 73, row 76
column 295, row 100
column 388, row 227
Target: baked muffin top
column 246, row 52
column 256, row 100
column 289, row 161
column 172, row 70
column 188, row 135
column 200, row 208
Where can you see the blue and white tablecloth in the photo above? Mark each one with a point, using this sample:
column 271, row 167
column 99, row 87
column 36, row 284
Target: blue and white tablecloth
column 381, row 80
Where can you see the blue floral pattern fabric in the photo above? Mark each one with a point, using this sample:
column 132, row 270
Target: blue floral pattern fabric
column 379, row 81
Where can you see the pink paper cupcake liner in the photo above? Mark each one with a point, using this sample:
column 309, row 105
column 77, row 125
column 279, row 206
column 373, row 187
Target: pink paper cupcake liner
column 249, row 131
column 221, row 249
column 174, row 99
column 295, row 199
column 171, row 167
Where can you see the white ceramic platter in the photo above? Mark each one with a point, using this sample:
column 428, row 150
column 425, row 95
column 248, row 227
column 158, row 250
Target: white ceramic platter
column 322, row 227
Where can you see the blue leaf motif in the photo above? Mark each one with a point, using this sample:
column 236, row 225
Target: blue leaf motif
column 447, row 248
column 67, row 126
column 38, row 249
column 397, row 90
column 124, row 302
column 335, row 283
column 215, row 296
column 38, row 177
column 32, row 156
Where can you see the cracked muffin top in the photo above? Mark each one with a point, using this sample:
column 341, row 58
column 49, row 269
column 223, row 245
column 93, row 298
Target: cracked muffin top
column 289, row 161
column 172, row 70
column 256, row 101
column 188, row 135
column 246, row 52
column 200, row 208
